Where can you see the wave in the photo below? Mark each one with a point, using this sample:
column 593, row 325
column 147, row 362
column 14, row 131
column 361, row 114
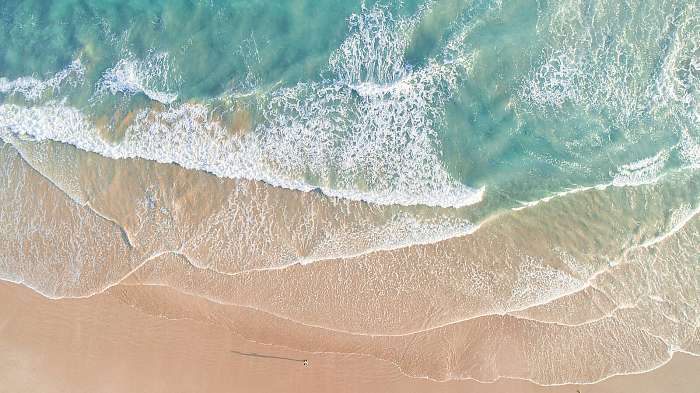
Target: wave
column 332, row 229
column 33, row 89
column 370, row 134
column 131, row 76
column 528, row 204
column 689, row 150
column 645, row 171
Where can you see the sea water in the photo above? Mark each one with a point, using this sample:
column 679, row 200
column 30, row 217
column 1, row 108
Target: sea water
column 435, row 103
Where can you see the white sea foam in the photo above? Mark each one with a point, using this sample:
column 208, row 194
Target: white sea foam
column 132, row 76
column 645, row 171
column 384, row 138
column 689, row 150
column 538, row 283
column 374, row 129
column 34, row 89
column 371, row 134
column 592, row 70
column 592, row 63
column 403, row 230
column 675, row 88
column 374, row 50
column 528, row 204
column 555, row 82
column 584, row 77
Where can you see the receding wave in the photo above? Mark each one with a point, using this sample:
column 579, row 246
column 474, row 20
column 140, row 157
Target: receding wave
column 227, row 233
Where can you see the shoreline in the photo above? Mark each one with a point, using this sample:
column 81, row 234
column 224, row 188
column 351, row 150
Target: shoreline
column 101, row 344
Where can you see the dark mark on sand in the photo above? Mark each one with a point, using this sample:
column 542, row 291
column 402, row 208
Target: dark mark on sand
column 258, row 355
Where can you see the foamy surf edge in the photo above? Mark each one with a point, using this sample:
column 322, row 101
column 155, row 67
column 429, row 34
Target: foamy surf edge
column 235, row 160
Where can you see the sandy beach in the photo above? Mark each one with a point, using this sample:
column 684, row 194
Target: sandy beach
column 100, row 344
column 474, row 307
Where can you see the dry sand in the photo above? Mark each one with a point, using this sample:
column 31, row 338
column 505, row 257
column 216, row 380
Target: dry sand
column 100, row 344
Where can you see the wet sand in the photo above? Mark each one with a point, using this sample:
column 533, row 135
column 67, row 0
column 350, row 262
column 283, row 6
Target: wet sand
column 100, row 344
column 479, row 306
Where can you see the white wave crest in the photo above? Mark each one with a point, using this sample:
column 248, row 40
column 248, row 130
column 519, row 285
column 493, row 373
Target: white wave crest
column 689, row 149
column 646, row 171
column 131, row 76
column 34, row 89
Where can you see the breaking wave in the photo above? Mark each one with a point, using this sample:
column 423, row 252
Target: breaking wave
column 131, row 76
column 33, row 89
column 370, row 133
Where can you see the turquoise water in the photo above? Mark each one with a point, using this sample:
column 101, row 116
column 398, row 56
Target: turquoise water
column 446, row 103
